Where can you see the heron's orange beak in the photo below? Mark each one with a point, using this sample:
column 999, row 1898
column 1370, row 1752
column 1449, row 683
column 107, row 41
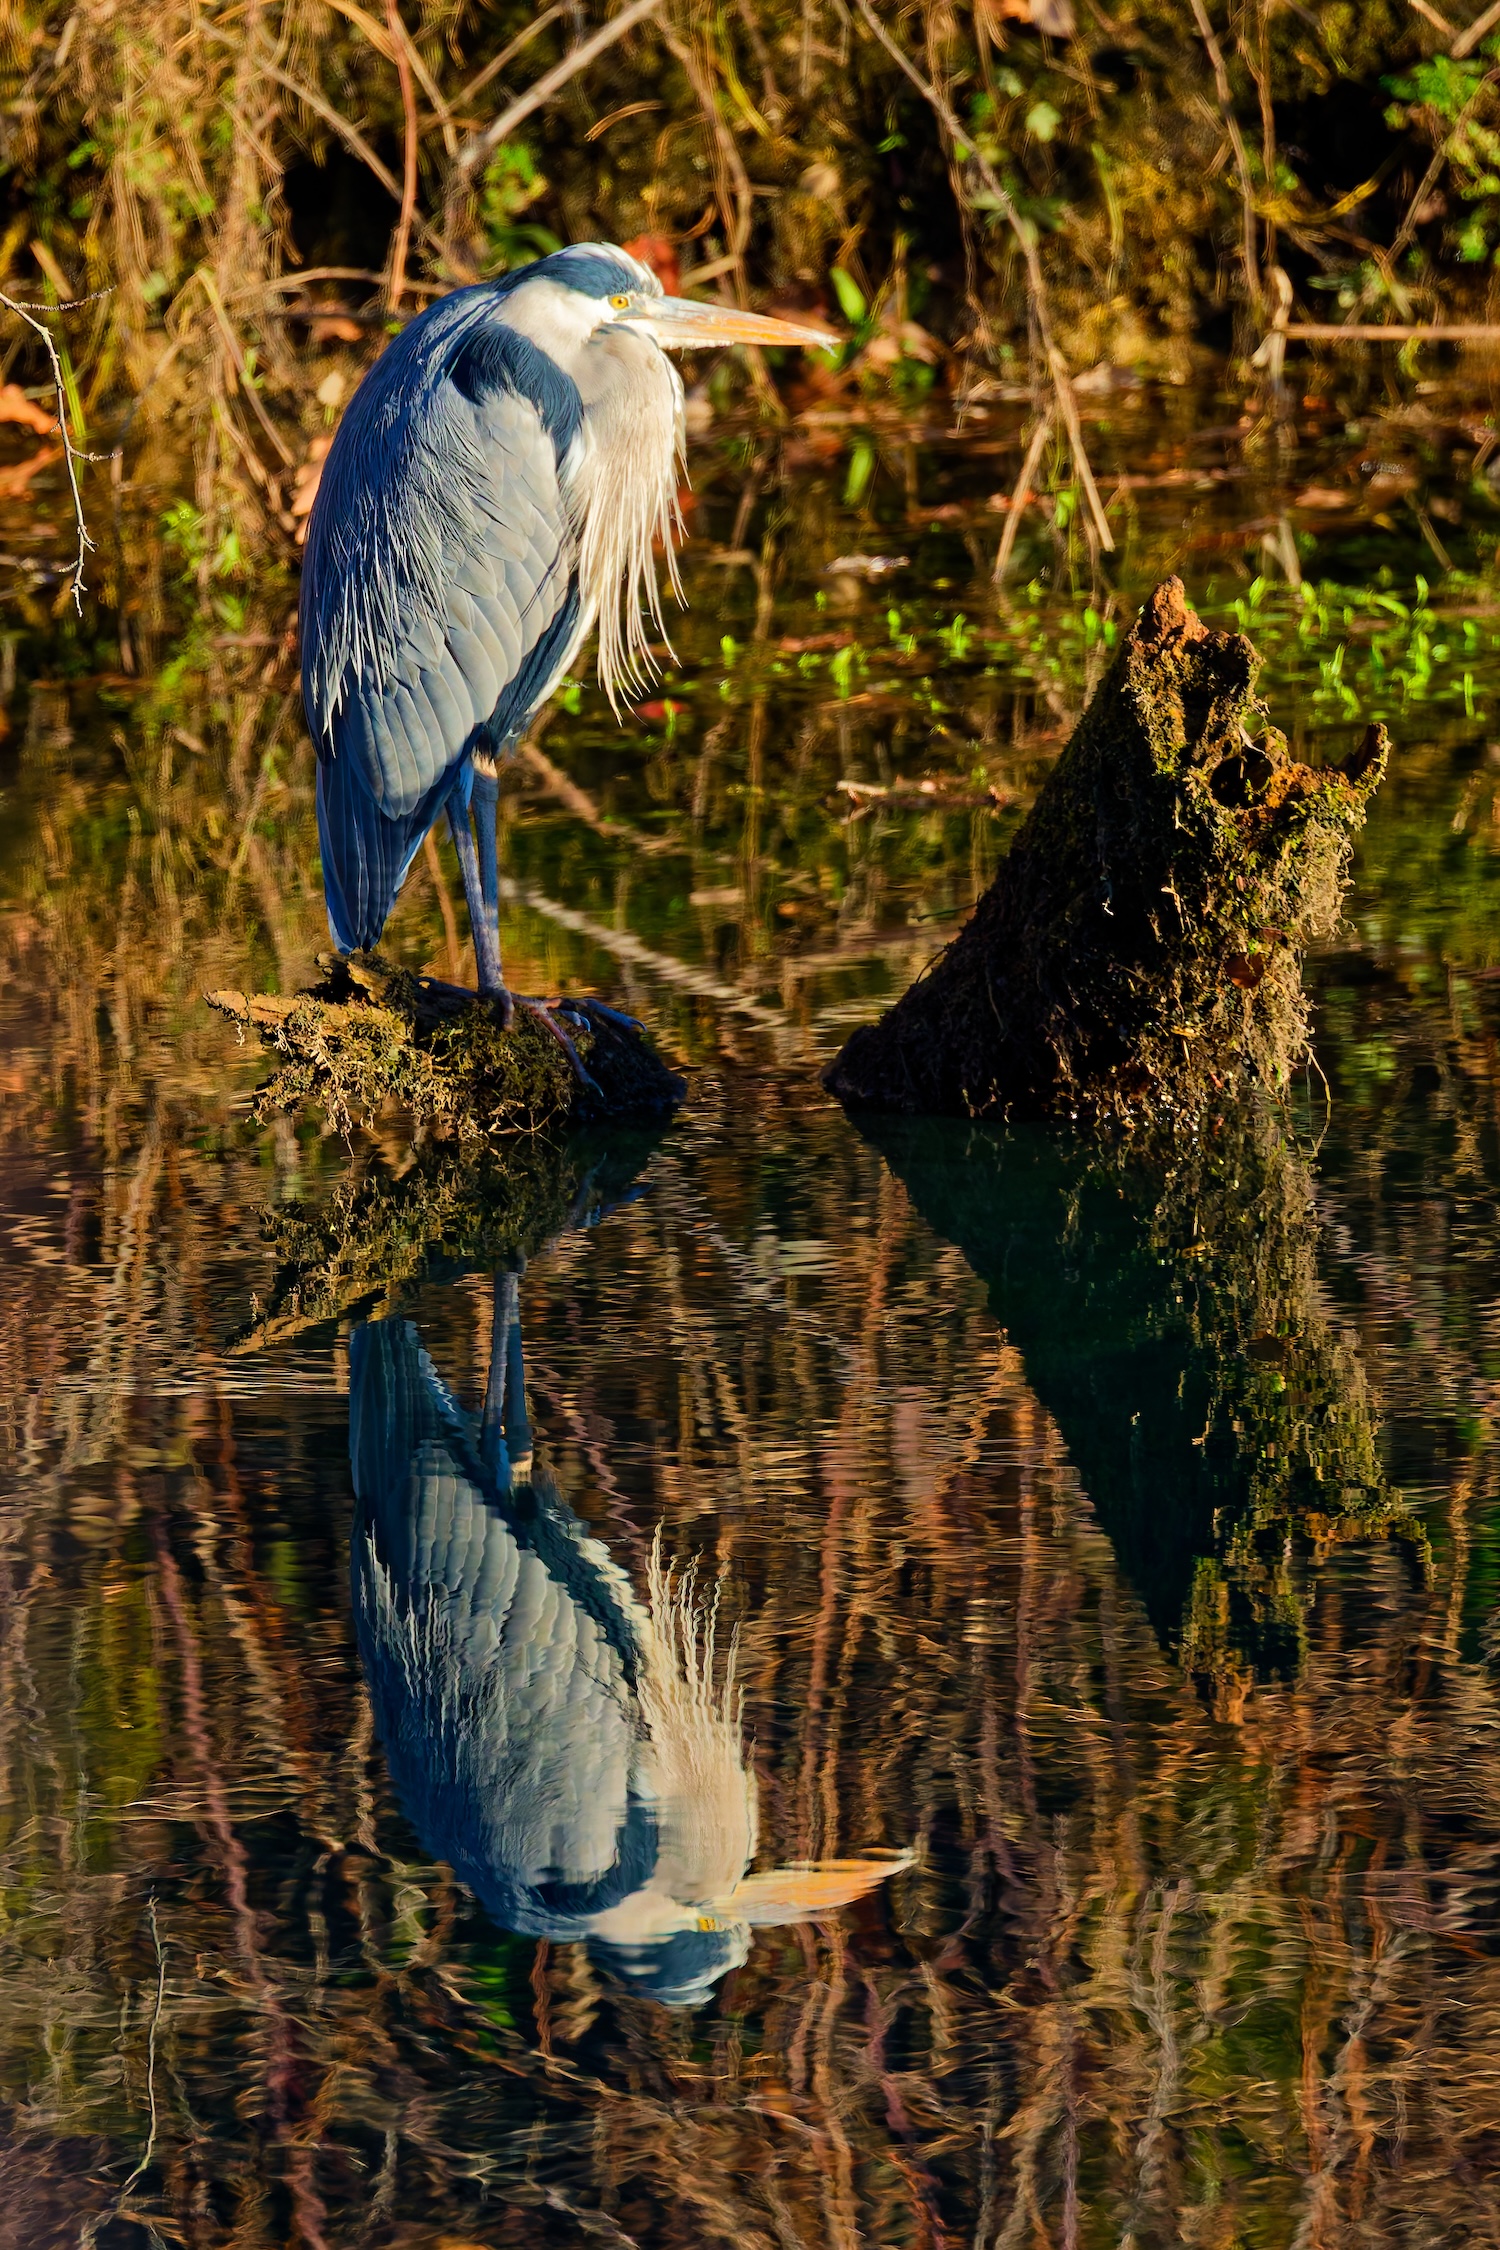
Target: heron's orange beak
column 681, row 324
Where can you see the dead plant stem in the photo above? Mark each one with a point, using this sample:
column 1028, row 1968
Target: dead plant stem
column 1025, row 237
column 1019, row 496
column 73, row 583
column 1428, row 181
column 481, row 146
column 402, row 237
column 1225, row 93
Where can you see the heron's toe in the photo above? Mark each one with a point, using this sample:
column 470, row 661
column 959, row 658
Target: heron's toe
column 545, row 1017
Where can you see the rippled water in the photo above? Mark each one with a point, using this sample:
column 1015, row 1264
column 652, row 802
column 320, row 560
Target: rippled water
column 772, row 1686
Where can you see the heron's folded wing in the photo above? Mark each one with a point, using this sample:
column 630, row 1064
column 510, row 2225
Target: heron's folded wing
column 438, row 597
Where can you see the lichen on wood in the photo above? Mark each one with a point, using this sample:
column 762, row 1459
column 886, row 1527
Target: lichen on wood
column 1139, row 952
column 373, row 1036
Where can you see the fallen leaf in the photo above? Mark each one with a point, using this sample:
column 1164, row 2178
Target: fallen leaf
column 655, row 251
column 15, row 479
column 15, row 406
column 308, row 478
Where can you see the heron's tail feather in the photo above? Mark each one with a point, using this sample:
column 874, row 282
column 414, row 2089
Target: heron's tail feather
column 366, row 852
column 692, row 1708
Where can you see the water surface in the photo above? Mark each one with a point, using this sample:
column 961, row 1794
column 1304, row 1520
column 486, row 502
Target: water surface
column 1105, row 1549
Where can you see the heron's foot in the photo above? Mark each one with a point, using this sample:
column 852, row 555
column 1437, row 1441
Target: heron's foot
column 505, row 1001
column 615, row 1015
column 547, row 1016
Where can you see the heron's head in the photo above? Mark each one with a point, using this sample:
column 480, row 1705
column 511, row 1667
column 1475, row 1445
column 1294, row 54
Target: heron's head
column 595, row 287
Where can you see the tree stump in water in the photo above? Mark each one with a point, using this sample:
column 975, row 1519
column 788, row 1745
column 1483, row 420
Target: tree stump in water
column 1140, row 949
column 373, row 1035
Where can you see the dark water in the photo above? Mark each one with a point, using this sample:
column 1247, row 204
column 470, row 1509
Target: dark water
column 772, row 1686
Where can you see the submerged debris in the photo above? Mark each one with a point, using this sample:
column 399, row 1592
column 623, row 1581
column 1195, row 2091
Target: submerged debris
column 1140, row 949
column 372, row 1035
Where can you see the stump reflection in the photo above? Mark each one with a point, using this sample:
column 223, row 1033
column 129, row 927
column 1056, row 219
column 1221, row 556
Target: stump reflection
column 1165, row 1300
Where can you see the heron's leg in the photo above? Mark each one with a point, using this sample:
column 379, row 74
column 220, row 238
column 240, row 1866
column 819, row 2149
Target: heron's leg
column 486, row 798
column 505, row 1429
column 486, row 944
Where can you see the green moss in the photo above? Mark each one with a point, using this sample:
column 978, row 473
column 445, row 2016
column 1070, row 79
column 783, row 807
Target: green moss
column 373, row 1038
column 1139, row 952
column 457, row 1205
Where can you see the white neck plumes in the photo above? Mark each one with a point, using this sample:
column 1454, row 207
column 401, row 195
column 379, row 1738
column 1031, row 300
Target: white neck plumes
column 623, row 494
column 621, row 474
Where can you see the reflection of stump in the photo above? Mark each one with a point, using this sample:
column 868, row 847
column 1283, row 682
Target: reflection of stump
column 1165, row 1301
column 373, row 1035
column 1141, row 946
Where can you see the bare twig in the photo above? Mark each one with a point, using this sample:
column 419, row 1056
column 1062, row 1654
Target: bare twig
column 1439, row 23
column 116, row 2209
column 71, row 453
column 1469, row 39
column 232, row 346
column 402, row 236
column 149, row 2151
column 508, row 53
column 1237, row 142
column 477, row 149
column 1394, row 332
column 351, row 137
column 393, row 42
column 1057, row 366
column 1019, row 497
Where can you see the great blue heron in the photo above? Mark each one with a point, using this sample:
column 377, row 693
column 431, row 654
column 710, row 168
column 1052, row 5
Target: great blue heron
column 494, row 491
column 562, row 1743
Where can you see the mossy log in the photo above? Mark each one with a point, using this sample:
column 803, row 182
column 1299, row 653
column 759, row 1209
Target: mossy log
column 1139, row 952
column 372, row 1036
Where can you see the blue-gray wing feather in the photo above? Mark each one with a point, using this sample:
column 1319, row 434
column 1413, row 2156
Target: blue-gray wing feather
column 439, row 598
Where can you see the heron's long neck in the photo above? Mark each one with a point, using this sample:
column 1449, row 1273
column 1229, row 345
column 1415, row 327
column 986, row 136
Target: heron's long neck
column 623, row 494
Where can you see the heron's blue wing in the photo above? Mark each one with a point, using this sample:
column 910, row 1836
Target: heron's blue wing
column 439, row 605
column 503, row 1698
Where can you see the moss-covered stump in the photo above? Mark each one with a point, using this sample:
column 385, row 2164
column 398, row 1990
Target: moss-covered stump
column 1140, row 949
column 455, row 1207
column 372, row 1036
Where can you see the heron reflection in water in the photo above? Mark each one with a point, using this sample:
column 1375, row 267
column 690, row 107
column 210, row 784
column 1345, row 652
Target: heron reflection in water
column 563, row 1744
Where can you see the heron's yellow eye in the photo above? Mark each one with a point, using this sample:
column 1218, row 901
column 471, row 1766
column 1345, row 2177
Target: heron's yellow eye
column 619, row 303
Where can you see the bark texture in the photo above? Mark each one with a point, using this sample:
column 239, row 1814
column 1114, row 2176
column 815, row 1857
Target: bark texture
column 1140, row 949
